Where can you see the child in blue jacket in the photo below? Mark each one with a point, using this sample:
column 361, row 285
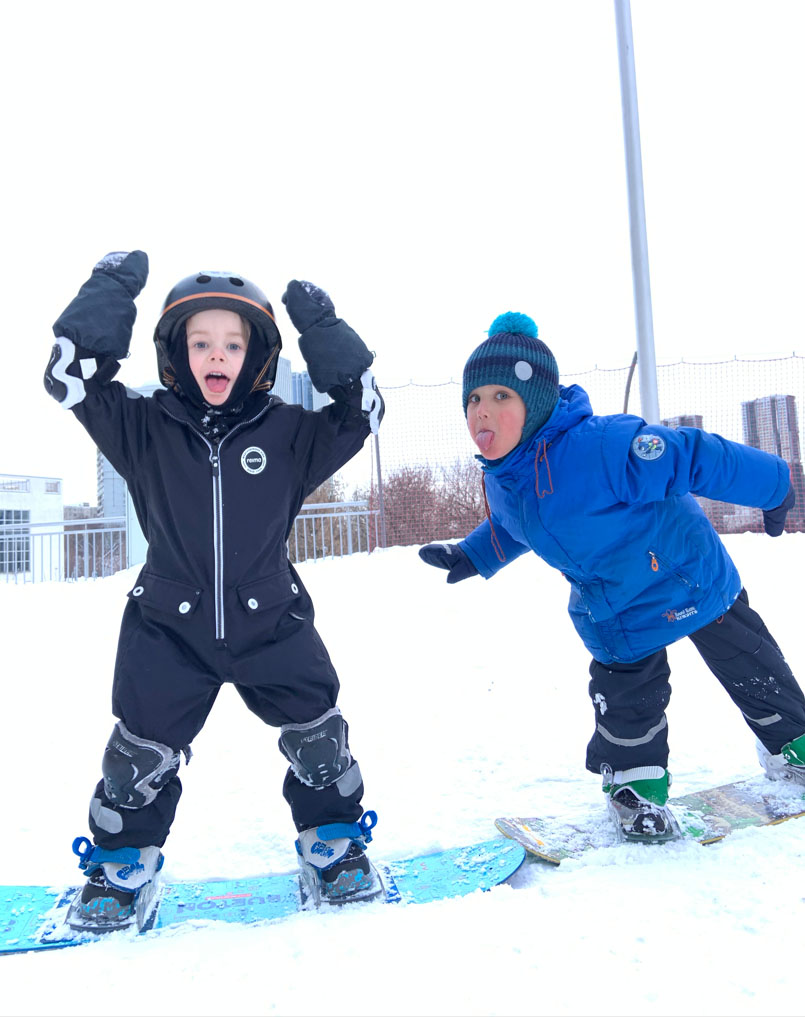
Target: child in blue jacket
column 608, row 501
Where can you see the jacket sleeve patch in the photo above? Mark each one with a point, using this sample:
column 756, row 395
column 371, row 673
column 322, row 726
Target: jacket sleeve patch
column 648, row 447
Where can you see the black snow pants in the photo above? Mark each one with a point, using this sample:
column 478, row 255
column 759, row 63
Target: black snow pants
column 630, row 698
column 163, row 693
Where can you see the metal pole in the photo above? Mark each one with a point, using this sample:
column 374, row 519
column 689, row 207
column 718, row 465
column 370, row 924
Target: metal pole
column 646, row 362
column 381, row 500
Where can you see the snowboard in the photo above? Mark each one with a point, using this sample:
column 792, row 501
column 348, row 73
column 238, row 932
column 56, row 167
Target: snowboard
column 704, row 816
column 32, row 917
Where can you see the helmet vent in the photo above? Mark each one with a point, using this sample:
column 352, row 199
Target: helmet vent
column 203, row 279
column 236, row 282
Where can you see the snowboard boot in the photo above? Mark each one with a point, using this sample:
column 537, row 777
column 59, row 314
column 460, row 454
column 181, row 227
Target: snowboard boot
column 636, row 800
column 333, row 862
column 788, row 764
column 119, row 888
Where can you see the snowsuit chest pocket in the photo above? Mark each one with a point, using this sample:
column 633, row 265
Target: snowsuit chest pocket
column 166, row 596
column 278, row 603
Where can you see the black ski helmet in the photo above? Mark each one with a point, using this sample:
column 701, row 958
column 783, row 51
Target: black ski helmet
column 204, row 291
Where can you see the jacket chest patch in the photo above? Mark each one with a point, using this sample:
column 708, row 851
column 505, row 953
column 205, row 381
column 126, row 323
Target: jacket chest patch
column 253, row 460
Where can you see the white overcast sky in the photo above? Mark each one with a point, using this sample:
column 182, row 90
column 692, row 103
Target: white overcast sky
column 431, row 163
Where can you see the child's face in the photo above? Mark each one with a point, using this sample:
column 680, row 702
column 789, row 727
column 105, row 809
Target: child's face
column 216, row 348
column 496, row 417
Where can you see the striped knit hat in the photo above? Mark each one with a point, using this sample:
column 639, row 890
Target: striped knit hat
column 513, row 356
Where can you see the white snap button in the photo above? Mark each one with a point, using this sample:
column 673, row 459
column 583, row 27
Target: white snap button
column 253, row 603
column 137, row 591
column 184, row 607
column 294, row 588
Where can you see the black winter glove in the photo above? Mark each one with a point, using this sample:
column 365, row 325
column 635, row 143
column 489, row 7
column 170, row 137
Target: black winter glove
column 335, row 354
column 450, row 557
column 774, row 519
column 101, row 317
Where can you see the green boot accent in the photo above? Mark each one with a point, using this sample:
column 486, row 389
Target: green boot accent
column 787, row 764
column 637, row 802
column 794, row 751
column 647, row 783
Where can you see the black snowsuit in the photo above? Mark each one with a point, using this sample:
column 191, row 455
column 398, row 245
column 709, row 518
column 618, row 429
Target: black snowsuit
column 217, row 600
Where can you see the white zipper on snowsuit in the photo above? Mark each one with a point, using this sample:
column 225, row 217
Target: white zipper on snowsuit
column 218, row 539
column 218, row 515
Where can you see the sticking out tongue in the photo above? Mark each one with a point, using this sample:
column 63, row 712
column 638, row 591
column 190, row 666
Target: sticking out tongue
column 216, row 383
column 483, row 439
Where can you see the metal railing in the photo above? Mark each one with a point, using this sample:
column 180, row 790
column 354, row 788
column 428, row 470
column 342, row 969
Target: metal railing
column 74, row 549
column 62, row 551
column 333, row 530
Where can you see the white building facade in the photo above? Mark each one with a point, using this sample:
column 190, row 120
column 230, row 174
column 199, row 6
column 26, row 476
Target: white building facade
column 28, row 504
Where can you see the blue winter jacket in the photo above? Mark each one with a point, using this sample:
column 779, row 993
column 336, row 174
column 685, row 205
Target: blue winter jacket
column 607, row 501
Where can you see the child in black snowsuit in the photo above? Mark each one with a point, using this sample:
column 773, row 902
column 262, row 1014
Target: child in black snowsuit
column 217, row 468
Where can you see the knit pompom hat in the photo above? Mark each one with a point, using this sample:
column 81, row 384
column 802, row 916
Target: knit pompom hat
column 513, row 356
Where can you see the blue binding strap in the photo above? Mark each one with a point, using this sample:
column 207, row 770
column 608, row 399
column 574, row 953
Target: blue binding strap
column 362, row 830
column 92, row 854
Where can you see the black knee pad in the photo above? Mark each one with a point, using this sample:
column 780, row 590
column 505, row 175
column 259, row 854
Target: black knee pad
column 319, row 753
column 136, row 769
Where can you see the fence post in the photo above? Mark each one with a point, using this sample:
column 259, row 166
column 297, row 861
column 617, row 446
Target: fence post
column 381, row 502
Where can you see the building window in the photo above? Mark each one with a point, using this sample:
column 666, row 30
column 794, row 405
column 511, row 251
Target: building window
column 20, row 484
column 15, row 541
column 53, row 487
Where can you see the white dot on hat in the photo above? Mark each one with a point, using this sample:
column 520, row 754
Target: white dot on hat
column 523, row 370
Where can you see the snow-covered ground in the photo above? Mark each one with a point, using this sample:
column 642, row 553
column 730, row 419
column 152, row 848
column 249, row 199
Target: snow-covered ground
column 464, row 702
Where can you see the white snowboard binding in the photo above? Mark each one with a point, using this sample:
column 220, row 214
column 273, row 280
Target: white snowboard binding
column 120, row 889
column 637, row 801
column 334, row 868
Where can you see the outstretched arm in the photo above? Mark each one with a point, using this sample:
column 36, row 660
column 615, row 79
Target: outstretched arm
column 94, row 331
column 648, row 462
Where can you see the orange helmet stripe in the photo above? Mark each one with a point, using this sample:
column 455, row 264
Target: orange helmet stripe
column 226, row 296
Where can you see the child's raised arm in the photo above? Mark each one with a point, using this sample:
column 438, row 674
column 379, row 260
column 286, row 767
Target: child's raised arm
column 335, row 355
column 94, row 331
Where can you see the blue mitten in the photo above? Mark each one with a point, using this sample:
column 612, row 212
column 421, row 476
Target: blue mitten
column 335, row 355
column 450, row 557
column 100, row 318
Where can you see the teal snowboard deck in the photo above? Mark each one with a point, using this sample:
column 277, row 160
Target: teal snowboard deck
column 32, row 917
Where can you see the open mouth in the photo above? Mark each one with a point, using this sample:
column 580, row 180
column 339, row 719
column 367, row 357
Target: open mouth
column 216, row 381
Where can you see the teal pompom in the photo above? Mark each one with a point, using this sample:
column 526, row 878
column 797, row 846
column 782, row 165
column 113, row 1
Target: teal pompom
column 514, row 323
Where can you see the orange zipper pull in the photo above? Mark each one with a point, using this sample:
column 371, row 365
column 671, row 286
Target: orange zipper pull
column 655, row 565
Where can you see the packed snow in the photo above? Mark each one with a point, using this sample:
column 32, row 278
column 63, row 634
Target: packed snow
column 465, row 702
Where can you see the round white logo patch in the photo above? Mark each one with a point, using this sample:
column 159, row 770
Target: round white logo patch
column 523, row 370
column 648, row 446
column 253, row 460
